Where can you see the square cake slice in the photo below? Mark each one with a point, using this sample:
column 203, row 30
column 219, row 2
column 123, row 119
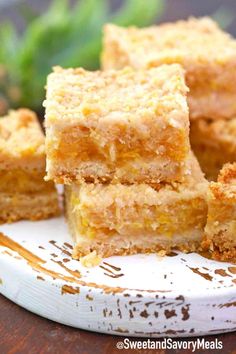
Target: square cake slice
column 206, row 52
column 214, row 144
column 116, row 219
column 123, row 126
column 221, row 222
column 23, row 192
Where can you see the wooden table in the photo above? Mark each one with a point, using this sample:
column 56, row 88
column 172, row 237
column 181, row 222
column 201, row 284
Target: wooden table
column 22, row 332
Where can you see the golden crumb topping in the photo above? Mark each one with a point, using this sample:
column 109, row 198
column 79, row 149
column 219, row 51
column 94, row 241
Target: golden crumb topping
column 198, row 39
column 225, row 187
column 21, row 134
column 127, row 95
column 228, row 174
column 105, row 194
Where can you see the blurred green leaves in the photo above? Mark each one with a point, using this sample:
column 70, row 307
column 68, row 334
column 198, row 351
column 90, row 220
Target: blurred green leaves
column 64, row 35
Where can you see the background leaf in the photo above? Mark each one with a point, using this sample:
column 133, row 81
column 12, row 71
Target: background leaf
column 63, row 35
column 138, row 12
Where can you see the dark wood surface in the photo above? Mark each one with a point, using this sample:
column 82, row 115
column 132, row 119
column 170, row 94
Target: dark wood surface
column 22, row 332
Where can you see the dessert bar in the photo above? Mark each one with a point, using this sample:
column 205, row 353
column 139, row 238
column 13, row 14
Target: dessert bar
column 207, row 53
column 23, row 192
column 123, row 126
column 221, row 221
column 115, row 219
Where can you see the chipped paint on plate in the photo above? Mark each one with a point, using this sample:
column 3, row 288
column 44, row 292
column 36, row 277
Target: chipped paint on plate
column 139, row 295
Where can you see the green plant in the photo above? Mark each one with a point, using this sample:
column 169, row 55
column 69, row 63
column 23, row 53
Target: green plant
column 64, row 35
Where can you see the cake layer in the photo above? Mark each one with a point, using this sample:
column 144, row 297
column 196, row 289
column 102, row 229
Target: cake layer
column 124, row 126
column 221, row 221
column 124, row 219
column 32, row 206
column 22, row 181
column 214, row 144
column 206, row 52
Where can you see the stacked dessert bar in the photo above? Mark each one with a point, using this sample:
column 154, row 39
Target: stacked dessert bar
column 23, row 192
column 119, row 142
column 208, row 56
column 220, row 230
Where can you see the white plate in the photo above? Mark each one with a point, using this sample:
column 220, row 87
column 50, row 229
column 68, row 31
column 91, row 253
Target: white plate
column 142, row 295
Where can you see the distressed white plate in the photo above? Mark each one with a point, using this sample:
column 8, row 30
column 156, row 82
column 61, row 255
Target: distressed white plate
column 142, row 295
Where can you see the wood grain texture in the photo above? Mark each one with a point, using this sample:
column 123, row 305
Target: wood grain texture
column 22, row 332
